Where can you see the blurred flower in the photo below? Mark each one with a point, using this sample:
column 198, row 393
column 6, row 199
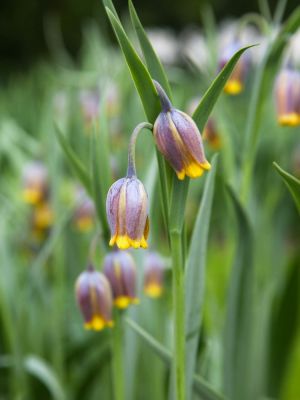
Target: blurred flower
column 165, row 44
column 194, row 48
column 42, row 217
column 127, row 213
column 84, row 214
column 112, row 96
column 154, row 275
column 236, row 81
column 94, row 297
column 287, row 97
column 90, row 102
column 211, row 135
column 179, row 140
column 35, row 183
column 120, row 270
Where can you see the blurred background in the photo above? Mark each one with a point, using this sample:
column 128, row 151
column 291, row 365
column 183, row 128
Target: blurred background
column 23, row 24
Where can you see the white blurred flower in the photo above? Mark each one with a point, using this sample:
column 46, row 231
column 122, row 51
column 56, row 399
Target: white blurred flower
column 165, row 44
column 194, row 48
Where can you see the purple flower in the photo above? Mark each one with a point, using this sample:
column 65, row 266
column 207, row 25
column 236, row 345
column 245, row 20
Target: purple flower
column 154, row 275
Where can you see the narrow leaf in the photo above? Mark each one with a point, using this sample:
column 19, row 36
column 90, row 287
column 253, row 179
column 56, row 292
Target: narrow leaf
column 76, row 165
column 195, row 275
column 292, row 183
column 212, row 94
column 237, row 351
column 44, row 373
column 153, row 63
column 140, row 75
column 200, row 385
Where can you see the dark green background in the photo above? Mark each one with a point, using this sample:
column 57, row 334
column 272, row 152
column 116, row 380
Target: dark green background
column 22, row 38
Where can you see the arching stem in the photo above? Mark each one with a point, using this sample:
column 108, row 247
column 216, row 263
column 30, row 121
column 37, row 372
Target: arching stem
column 131, row 171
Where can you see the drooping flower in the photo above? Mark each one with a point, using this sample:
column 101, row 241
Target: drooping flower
column 120, row 270
column 287, row 97
column 154, row 275
column 211, row 134
column 94, row 298
column 84, row 213
column 35, row 183
column 179, row 140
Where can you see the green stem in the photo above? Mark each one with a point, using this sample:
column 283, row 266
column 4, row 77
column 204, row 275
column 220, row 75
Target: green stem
column 117, row 359
column 131, row 171
column 178, row 305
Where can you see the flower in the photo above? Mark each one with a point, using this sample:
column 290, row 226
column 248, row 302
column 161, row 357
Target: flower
column 94, row 299
column 211, row 135
column 287, row 97
column 35, row 183
column 120, row 270
column 179, row 140
column 84, row 214
column 127, row 213
column 236, row 81
column 154, row 275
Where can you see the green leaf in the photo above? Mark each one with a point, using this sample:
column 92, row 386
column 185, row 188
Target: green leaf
column 238, row 324
column 153, row 63
column 109, row 4
column 212, row 94
column 200, row 385
column 195, row 275
column 76, row 165
column 38, row 368
column 292, row 183
column 139, row 73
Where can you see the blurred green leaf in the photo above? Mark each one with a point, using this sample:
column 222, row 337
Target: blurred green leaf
column 237, row 350
column 76, row 165
column 195, row 275
column 153, row 63
column 139, row 73
column 292, row 183
column 41, row 370
column 212, row 94
column 200, row 385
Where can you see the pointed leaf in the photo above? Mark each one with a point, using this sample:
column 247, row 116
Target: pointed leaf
column 76, row 165
column 195, row 275
column 292, row 183
column 153, row 63
column 212, row 94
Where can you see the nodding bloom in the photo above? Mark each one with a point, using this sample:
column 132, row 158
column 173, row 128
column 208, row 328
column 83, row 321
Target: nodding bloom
column 211, row 135
column 179, row 140
column 35, row 183
column 127, row 204
column 42, row 217
column 236, row 81
column 84, row 214
column 154, row 275
column 120, row 270
column 287, row 96
column 94, row 298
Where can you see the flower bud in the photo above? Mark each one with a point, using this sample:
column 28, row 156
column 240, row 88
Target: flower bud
column 127, row 213
column 236, row 81
column 287, row 97
column 120, row 270
column 178, row 139
column 94, row 299
column 211, row 135
column 154, row 275
column 35, row 183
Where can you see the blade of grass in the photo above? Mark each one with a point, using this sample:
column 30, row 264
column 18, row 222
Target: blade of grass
column 292, row 183
column 195, row 276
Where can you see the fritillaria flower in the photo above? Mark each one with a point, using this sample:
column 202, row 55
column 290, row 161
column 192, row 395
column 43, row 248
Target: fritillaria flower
column 127, row 205
column 211, row 135
column 154, row 275
column 120, row 270
column 94, row 298
column 84, row 214
column 35, row 183
column 179, row 140
column 236, row 81
column 287, row 97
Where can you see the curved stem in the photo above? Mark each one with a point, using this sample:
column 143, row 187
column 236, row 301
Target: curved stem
column 258, row 20
column 131, row 171
column 117, row 361
column 165, row 102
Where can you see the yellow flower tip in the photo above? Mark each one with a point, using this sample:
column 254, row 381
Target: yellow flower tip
column 292, row 119
column 97, row 323
column 31, row 196
column 135, row 300
column 84, row 224
column 144, row 243
column 180, row 174
column 153, row 290
column 122, row 302
column 206, row 165
column 233, row 87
